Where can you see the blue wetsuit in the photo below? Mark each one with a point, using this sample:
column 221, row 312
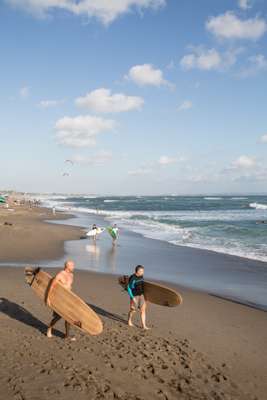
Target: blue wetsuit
column 135, row 286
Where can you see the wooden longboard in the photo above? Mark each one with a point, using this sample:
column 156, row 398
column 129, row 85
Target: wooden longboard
column 64, row 302
column 155, row 293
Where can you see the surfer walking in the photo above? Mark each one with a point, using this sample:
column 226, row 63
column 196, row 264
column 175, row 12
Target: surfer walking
column 115, row 229
column 135, row 289
column 65, row 277
column 94, row 229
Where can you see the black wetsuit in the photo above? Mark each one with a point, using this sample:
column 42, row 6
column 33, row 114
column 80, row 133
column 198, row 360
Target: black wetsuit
column 135, row 286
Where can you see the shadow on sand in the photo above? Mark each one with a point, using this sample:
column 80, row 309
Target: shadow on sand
column 107, row 314
column 15, row 311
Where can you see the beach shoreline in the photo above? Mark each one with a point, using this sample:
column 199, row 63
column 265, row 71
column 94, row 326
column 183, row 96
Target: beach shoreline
column 46, row 239
column 234, row 278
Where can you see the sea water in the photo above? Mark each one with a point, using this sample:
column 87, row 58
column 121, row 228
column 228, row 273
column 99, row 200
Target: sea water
column 225, row 224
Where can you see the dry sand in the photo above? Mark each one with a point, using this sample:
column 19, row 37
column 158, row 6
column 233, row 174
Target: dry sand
column 208, row 348
column 25, row 237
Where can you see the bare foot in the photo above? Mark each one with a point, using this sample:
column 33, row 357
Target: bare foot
column 146, row 328
column 130, row 324
column 72, row 338
column 49, row 333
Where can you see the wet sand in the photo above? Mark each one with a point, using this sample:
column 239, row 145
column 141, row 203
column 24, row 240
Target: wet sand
column 208, row 348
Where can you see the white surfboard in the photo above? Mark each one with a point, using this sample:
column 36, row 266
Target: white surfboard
column 95, row 232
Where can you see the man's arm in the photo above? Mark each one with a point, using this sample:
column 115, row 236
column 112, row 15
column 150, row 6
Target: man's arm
column 51, row 288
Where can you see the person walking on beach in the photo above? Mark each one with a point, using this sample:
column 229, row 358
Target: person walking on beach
column 135, row 289
column 94, row 228
column 115, row 229
column 65, row 277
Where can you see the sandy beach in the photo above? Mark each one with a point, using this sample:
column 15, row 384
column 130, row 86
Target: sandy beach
column 208, row 348
column 25, row 235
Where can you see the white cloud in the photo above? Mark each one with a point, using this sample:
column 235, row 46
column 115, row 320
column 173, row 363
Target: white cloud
column 166, row 160
column 229, row 26
column 140, row 171
column 244, row 162
column 155, row 165
column 255, row 65
column 146, row 74
column 101, row 100
column 81, row 131
column 186, row 105
column 244, row 4
column 209, row 59
column 252, row 178
column 24, row 92
column 264, row 138
column 100, row 158
column 202, row 59
column 104, row 10
column 50, row 103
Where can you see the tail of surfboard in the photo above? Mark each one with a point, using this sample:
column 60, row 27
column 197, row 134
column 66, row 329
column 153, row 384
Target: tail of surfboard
column 30, row 273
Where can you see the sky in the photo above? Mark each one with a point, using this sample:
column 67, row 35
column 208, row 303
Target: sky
column 130, row 97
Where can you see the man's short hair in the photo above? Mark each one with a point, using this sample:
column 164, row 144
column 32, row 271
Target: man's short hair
column 138, row 267
column 67, row 262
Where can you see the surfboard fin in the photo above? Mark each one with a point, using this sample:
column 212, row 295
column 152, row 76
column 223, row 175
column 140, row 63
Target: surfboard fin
column 77, row 323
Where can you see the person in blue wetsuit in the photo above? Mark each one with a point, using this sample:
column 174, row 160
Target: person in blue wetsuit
column 135, row 289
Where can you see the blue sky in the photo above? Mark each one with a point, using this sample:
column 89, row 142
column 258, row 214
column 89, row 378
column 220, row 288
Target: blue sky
column 142, row 96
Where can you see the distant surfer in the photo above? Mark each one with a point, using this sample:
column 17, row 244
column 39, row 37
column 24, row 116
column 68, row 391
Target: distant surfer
column 115, row 230
column 94, row 229
column 135, row 289
column 65, row 277
column 260, row 222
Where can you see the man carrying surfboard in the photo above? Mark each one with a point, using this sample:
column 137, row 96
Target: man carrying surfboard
column 135, row 289
column 65, row 277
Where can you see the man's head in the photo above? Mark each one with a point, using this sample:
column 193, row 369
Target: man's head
column 69, row 266
column 139, row 270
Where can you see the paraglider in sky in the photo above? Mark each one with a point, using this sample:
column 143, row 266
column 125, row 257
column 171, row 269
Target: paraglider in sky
column 69, row 161
column 65, row 174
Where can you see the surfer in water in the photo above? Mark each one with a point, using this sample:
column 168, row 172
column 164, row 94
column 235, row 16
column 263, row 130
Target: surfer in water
column 135, row 289
column 65, row 277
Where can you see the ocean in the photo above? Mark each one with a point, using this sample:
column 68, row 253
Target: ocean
column 224, row 224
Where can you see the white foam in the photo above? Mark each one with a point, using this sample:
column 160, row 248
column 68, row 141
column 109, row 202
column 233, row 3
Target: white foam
column 212, row 198
column 258, row 206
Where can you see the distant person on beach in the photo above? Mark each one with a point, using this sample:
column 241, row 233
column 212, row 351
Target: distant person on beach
column 94, row 228
column 54, row 210
column 116, row 231
column 135, row 289
column 65, row 277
